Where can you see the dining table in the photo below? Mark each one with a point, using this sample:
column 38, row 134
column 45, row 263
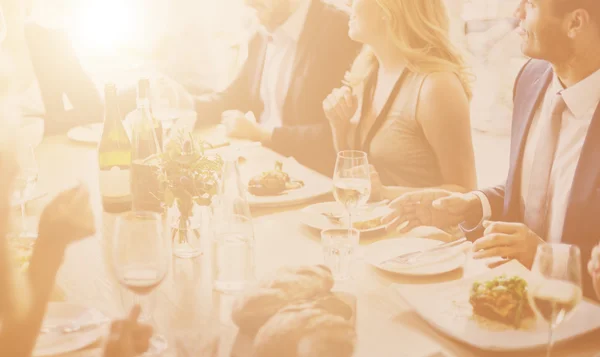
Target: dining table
column 194, row 317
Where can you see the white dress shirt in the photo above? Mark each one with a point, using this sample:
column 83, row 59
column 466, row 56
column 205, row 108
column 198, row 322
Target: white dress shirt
column 582, row 100
column 279, row 61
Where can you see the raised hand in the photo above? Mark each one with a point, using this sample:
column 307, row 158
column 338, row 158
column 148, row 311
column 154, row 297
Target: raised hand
column 339, row 107
column 127, row 337
column 433, row 207
column 69, row 216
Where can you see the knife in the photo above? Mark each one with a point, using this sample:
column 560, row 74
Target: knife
column 406, row 257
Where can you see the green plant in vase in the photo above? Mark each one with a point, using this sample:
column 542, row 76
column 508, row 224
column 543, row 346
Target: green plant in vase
column 188, row 178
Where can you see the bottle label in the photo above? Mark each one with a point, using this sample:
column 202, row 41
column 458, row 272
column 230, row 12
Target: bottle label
column 115, row 182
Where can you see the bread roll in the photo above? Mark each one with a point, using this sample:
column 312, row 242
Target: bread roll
column 251, row 311
column 299, row 283
column 299, row 331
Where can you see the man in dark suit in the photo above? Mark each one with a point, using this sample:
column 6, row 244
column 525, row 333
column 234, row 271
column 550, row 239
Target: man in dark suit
column 60, row 75
column 552, row 192
column 293, row 64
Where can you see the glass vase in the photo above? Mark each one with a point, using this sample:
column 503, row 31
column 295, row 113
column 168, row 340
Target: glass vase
column 189, row 229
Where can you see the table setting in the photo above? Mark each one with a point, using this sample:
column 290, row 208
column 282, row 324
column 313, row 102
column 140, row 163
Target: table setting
column 392, row 294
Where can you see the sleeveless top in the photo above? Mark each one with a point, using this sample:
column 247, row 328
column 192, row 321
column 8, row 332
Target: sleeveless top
column 396, row 144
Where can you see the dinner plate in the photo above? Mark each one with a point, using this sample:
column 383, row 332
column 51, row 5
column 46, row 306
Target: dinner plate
column 61, row 313
column 87, row 134
column 314, row 216
column 446, row 307
column 445, row 262
column 315, row 184
column 173, row 119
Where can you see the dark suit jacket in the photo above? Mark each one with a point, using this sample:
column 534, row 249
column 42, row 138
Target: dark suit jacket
column 582, row 221
column 325, row 53
column 59, row 73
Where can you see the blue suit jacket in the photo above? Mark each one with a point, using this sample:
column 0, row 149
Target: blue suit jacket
column 582, row 221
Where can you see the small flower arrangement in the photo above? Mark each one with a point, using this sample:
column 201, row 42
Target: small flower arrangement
column 187, row 176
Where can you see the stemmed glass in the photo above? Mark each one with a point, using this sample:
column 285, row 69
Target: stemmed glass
column 141, row 255
column 555, row 291
column 24, row 186
column 351, row 181
column 3, row 29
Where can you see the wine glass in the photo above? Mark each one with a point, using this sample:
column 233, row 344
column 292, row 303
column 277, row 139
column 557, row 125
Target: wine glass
column 24, row 186
column 351, row 181
column 3, row 29
column 555, row 290
column 141, row 254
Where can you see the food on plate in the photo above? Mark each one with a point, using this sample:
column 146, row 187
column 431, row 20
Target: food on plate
column 367, row 224
column 502, row 299
column 273, row 182
column 295, row 313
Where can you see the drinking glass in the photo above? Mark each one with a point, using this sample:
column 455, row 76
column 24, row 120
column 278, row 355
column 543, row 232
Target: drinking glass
column 24, row 186
column 141, row 255
column 165, row 102
column 339, row 248
column 351, row 181
column 555, row 290
column 233, row 244
column 3, row 29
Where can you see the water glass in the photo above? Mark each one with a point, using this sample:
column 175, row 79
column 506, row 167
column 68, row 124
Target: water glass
column 233, row 243
column 233, row 255
column 339, row 250
column 351, row 181
column 24, row 186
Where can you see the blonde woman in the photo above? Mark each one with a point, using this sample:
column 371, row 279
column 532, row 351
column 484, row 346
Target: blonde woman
column 406, row 99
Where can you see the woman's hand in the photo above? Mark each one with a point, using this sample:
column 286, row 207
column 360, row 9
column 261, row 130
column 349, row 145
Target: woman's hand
column 69, row 216
column 339, row 107
column 128, row 338
column 594, row 269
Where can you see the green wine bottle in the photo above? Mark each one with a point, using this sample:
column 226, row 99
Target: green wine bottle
column 146, row 144
column 114, row 157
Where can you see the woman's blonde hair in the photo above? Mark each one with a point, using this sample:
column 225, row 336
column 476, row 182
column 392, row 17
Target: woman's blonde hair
column 420, row 29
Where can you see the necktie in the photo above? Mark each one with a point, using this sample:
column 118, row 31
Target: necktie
column 538, row 197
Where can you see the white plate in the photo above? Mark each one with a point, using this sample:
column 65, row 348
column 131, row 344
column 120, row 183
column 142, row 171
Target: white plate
column 60, row 313
column 175, row 119
column 313, row 217
column 315, row 184
column 88, row 134
column 379, row 251
column 446, row 307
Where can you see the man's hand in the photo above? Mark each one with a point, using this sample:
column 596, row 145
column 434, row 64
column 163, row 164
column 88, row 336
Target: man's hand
column 69, row 216
column 127, row 337
column 433, row 207
column 508, row 240
column 594, row 269
column 239, row 126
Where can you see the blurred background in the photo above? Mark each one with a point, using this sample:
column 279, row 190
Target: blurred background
column 121, row 40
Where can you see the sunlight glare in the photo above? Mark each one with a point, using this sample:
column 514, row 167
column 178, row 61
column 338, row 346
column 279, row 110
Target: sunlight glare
column 104, row 26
